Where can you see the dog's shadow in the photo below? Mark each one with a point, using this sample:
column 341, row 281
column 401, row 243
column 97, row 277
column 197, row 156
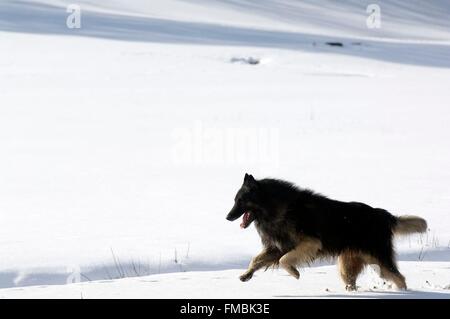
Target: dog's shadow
column 410, row 294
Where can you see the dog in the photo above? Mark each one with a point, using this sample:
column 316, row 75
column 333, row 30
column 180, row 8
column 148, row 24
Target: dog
column 298, row 226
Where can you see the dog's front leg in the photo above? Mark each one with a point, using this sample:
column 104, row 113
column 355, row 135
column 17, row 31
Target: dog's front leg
column 305, row 252
column 266, row 258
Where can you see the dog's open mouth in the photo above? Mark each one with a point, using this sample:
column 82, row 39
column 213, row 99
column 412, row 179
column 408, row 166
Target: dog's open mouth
column 246, row 219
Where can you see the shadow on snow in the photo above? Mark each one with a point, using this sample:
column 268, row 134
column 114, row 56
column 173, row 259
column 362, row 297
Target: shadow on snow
column 26, row 17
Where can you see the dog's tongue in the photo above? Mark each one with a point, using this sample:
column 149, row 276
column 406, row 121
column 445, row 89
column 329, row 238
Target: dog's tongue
column 245, row 219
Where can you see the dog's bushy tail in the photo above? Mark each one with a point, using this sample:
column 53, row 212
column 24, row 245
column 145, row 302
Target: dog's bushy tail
column 410, row 224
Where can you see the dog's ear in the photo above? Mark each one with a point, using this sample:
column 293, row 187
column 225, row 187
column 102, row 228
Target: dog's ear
column 250, row 181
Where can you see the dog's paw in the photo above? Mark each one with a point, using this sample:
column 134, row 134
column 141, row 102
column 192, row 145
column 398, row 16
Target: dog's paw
column 246, row 277
column 351, row 288
column 295, row 273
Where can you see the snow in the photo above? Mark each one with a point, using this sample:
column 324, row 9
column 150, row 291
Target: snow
column 317, row 282
column 124, row 142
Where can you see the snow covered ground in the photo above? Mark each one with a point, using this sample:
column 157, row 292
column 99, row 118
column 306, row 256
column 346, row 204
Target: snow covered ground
column 123, row 142
column 319, row 282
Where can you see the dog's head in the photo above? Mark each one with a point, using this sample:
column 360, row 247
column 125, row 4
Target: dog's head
column 247, row 202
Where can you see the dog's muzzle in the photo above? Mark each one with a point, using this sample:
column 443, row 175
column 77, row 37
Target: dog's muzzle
column 232, row 217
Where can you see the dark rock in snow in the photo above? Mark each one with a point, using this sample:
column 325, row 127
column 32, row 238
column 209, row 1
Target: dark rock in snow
column 249, row 60
column 335, row 44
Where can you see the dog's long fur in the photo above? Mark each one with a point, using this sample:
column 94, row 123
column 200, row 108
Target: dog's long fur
column 298, row 225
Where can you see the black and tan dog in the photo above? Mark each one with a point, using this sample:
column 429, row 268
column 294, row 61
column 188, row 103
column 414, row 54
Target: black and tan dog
column 298, row 226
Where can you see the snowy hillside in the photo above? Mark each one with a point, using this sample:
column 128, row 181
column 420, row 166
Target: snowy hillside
column 124, row 142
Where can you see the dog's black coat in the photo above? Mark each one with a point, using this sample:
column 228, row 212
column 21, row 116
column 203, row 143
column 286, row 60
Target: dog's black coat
column 283, row 213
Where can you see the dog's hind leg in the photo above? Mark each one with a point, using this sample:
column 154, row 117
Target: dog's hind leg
column 305, row 252
column 388, row 268
column 266, row 258
column 390, row 272
column 350, row 266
